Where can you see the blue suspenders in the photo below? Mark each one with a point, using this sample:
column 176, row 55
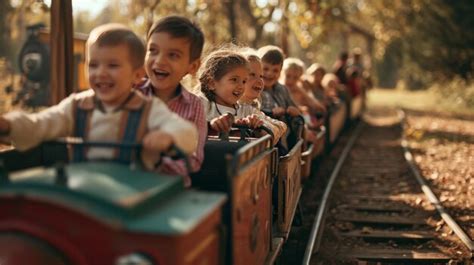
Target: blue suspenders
column 125, row 154
column 130, row 135
column 80, row 128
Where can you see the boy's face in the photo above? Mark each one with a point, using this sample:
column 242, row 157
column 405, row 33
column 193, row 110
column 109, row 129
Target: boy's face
column 291, row 76
column 271, row 73
column 318, row 76
column 254, row 85
column 167, row 61
column 111, row 73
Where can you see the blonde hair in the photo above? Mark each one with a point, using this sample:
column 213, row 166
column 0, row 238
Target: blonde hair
column 328, row 78
column 251, row 54
column 293, row 63
column 314, row 68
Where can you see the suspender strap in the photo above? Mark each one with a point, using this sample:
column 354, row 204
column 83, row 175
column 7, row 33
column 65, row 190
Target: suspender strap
column 130, row 135
column 132, row 129
column 79, row 131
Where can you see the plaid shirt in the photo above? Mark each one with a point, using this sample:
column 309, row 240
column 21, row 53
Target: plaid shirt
column 189, row 107
column 278, row 96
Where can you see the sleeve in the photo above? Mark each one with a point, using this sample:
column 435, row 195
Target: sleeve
column 184, row 133
column 267, row 103
column 278, row 127
column 29, row 130
column 197, row 157
column 288, row 98
column 309, row 100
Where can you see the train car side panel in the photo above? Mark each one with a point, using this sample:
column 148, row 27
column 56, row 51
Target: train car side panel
column 251, row 214
column 289, row 188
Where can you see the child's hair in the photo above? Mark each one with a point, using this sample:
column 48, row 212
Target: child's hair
column 251, row 55
column 271, row 54
column 216, row 65
column 314, row 68
column 181, row 27
column 328, row 78
column 357, row 51
column 114, row 34
column 294, row 63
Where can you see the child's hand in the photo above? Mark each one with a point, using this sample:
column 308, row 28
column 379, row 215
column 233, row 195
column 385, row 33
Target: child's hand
column 293, row 111
column 154, row 143
column 157, row 141
column 4, row 126
column 222, row 123
column 253, row 121
column 278, row 111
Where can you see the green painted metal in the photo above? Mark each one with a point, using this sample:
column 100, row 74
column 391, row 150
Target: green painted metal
column 118, row 195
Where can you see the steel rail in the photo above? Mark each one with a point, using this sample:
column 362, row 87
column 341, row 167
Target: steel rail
column 430, row 194
column 315, row 235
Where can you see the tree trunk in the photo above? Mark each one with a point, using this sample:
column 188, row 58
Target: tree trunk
column 232, row 23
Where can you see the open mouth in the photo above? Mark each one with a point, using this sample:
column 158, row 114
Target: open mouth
column 104, row 86
column 237, row 93
column 161, row 74
column 257, row 88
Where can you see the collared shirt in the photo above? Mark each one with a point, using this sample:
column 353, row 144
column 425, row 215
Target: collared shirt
column 189, row 107
column 278, row 96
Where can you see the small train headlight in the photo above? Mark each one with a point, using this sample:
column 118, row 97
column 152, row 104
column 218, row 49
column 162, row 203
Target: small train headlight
column 134, row 259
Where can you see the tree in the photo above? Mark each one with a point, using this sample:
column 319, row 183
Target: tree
column 5, row 11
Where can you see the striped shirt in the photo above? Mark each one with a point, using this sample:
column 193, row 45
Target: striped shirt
column 189, row 107
column 278, row 96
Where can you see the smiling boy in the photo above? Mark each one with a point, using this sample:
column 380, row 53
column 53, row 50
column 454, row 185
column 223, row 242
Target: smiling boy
column 110, row 111
column 275, row 96
column 174, row 47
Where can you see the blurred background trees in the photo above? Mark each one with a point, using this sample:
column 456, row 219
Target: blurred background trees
column 417, row 41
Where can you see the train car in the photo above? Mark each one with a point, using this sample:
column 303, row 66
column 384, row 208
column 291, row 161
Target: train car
column 320, row 143
column 336, row 119
column 355, row 107
column 104, row 213
column 289, row 178
column 249, row 170
column 313, row 150
column 244, row 169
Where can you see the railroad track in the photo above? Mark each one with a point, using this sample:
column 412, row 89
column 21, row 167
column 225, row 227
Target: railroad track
column 374, row 210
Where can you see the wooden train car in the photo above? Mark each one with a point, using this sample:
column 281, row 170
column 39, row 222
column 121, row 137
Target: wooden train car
column 336, row 120
column 355, row 107
column 105, row 213
column 245, row 171
column 289, row 188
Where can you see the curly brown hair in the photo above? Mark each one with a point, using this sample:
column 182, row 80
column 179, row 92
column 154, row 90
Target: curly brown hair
column 217, row 64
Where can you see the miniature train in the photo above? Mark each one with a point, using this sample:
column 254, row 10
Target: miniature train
column 240, row 210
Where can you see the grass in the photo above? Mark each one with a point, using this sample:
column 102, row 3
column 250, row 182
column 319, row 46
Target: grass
column 421, row 100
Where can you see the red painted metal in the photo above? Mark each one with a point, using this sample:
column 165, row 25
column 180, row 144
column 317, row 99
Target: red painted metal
column 21, row 249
